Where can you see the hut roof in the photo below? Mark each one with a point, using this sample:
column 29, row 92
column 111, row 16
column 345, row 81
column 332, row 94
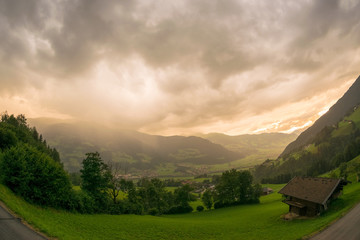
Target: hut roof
column 311, row 189
column 267, row 190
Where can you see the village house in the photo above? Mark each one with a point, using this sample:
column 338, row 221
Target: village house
column 309, row 196
column 267, row 191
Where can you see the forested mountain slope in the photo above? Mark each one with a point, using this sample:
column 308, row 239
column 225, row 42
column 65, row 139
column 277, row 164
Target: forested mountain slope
column 337, row 112
column 331, row 147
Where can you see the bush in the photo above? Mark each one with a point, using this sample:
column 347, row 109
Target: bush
column 84, row 203
column 133, row 208
column 117, row 208
column 219, row 205
column 153, row 211
column 200, row 208
column 180, row 209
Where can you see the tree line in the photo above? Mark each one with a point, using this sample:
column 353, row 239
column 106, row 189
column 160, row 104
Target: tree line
column 102, row 183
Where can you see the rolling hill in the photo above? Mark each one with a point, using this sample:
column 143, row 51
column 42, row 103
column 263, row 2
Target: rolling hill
column 138, row 151
column 271, row 143
column 152, row 155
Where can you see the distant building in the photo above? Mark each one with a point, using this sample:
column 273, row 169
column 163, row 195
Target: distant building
column 308, row 196
column 267, row 191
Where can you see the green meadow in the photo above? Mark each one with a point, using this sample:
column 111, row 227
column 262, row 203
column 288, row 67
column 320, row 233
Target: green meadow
column 257, row 221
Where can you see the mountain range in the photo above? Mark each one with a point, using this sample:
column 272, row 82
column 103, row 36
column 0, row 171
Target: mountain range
column 146, row 154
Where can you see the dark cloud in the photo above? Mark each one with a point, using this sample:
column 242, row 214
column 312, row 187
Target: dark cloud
column 84, row 32
column 181, row 63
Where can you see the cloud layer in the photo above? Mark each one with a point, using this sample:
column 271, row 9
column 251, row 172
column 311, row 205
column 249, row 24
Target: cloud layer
column 176, row 67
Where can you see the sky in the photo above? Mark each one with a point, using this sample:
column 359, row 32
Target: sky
column 178, row 67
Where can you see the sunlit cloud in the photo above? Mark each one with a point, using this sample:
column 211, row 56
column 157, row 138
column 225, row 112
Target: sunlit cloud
column 178, row 67
column 294, row 128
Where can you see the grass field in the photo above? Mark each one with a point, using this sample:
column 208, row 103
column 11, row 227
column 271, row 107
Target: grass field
column 258, row 221
column 345, row 127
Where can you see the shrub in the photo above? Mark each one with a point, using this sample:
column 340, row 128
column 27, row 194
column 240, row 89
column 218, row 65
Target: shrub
column 180, row 209
column 116, row 208
column 133, row 208
column 84, row 203
column 219, row 205
column 153, row 211
column 200, row 208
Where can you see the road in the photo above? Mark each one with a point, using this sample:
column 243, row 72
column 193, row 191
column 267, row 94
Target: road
column 11, row 228
column 348, row 227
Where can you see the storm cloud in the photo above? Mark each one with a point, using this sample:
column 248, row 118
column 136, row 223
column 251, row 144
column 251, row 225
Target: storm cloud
column 176, row 67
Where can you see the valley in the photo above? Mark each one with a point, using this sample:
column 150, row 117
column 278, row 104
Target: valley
column 114, row 201
column 144, row 155
column 179, row 120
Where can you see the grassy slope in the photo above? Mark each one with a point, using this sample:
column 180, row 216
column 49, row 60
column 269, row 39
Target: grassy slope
column 351, row 175
column 260, row 221
column 345, row 126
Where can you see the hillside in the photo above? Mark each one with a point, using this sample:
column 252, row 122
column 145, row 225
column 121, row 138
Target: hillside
column 337, row 112
column 139, row 153
column 256, row 147
column 349, row 170
column 330, row 148
column 271, row 143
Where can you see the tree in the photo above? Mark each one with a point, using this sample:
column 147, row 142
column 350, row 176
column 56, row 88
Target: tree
column 96, row 177
column 207, row 199
column 153, row 196
column 256, row 191
column 183, row 195
column 355, row 168
column 115, row 180
column 235, row 187
column 227, row 190
column 7, row 138
column 343, row 172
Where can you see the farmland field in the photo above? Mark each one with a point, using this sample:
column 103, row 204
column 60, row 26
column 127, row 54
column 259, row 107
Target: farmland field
column 258, row 221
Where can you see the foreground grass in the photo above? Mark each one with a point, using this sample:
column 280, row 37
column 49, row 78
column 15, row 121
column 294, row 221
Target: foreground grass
column 259, row 221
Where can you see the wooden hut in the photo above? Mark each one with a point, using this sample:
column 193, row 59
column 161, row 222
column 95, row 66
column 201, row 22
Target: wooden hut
column 309, row 196
column 267, row 191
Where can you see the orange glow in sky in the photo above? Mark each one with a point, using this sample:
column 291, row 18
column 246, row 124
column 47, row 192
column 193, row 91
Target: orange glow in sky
column 179, row 67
